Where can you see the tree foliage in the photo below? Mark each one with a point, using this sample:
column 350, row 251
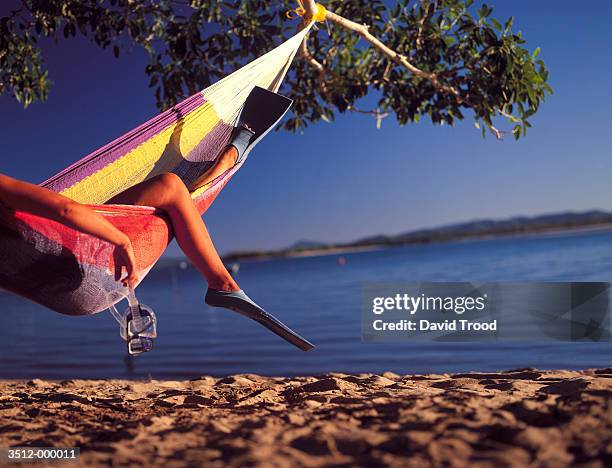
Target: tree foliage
column 191, row 44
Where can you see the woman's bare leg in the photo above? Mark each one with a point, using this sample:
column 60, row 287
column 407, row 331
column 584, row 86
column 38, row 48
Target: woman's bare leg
column 168, row 192
column 224, row 162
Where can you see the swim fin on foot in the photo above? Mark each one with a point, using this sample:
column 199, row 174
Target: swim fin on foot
column 262, row 111
column 239, row 302
column 241, row 137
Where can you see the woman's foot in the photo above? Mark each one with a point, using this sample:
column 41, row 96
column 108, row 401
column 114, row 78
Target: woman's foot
column 224, row 284
column 240, row 140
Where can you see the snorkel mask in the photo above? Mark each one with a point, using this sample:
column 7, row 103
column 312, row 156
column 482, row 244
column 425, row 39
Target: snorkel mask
column 137, row 325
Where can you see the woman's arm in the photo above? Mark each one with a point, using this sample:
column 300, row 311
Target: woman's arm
column 23, row 196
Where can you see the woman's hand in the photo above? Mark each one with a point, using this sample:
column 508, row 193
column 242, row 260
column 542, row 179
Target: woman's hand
column 19, row 195
column 124, row 257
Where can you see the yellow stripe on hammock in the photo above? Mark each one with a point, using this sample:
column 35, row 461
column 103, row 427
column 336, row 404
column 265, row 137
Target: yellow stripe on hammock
column 160, row 153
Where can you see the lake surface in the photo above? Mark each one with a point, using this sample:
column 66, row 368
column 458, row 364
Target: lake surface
column 320, row 300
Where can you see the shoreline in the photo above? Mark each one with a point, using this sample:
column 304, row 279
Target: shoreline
column 374, row 247
column 512, row 418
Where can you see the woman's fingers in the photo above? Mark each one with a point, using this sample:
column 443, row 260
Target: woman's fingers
column 126, row 259
column 132, row 279
column 130, row 267
column 118, row 269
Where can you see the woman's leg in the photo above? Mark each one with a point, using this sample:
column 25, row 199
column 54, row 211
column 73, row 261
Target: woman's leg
column 168, row 192
column 228, row 158
column 224, row 162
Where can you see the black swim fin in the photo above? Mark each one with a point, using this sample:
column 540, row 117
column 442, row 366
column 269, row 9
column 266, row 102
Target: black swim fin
column 238, row 301
column 261, row 111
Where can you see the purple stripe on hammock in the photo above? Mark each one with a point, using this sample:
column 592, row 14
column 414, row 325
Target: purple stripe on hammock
column 122, row 145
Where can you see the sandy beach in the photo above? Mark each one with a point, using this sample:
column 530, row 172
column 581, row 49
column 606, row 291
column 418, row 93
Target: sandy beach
column 514, row 418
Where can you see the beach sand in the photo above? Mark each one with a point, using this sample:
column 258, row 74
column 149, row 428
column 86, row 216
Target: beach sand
column 514, row 418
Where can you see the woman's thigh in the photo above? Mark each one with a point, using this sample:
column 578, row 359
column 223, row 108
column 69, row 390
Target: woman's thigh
column 159, row 191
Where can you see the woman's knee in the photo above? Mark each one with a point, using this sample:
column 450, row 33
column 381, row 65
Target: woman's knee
column 171, row 182
column 171, row 185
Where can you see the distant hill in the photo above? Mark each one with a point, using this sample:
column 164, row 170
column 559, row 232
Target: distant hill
column 467, row 230
column 489, row 227
column 306, row 244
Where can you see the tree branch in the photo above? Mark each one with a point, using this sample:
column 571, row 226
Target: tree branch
column 399, row 59
column 305, row 53
column 363, row 31
column 311, row 7
column 499, row 134
column 313, row 62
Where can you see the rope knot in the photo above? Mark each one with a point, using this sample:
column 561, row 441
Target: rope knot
column 319, row 15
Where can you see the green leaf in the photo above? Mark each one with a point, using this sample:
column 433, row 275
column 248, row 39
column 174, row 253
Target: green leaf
column 508, row 25
column 535, row 53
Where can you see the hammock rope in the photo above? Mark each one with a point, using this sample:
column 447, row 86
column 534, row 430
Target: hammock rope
column 73, row 273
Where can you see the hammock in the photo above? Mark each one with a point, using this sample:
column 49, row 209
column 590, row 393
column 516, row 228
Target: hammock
column 73, row 273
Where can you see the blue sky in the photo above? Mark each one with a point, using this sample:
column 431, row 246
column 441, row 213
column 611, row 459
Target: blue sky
column 345, row 180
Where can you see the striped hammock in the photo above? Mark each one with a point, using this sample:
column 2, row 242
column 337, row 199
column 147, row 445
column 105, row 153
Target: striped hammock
column 71, row 272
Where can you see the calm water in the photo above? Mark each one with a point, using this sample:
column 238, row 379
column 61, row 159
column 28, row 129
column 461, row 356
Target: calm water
column 317, row 298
